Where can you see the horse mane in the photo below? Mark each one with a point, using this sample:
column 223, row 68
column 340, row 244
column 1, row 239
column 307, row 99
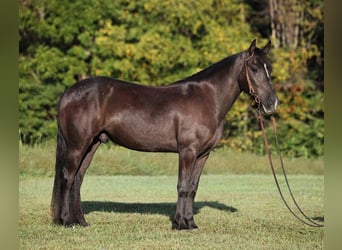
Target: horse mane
column 219, row 69
column 216, row 70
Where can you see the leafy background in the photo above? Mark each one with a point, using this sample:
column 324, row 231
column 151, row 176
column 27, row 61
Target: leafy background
column 156, row 42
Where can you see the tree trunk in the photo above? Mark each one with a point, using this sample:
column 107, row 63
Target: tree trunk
column 286, row 21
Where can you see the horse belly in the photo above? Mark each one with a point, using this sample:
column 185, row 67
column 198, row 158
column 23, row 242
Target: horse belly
column 143, row 133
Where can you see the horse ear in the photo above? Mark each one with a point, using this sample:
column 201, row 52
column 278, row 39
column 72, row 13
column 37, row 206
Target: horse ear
column 266, row 48
column 252, row 47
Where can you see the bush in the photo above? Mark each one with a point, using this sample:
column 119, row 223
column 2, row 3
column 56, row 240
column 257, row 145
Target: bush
column 155, row 43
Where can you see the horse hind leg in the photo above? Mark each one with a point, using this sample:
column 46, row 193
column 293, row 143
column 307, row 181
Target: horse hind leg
column 67, row 214
column 72, row 173
column 71, row 165
column 75, row 201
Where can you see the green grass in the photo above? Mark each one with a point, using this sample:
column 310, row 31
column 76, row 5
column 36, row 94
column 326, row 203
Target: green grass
column 133, row 212
column 39, row 160
column 128, row 198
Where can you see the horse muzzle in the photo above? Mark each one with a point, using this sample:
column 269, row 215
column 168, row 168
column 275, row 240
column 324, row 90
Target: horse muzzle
column 270, row 107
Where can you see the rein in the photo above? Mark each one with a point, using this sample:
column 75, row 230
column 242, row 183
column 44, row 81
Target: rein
column 252, row 92
column 309, row 221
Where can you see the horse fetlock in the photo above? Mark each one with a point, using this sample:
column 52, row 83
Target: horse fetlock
column 184, row 223
column 191, row 223
column 67, row 221
column 180, row 224
column 65, row 218
column 82, row 222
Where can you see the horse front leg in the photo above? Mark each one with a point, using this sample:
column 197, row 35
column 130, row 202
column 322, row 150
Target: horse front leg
column 187, row 158
column 194, row 181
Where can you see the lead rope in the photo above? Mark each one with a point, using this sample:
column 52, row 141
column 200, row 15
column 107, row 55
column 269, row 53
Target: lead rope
column 311, row 222
column 257, row 100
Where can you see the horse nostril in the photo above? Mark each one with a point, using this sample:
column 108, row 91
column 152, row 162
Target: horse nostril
column 275, row 103
column 272, row 102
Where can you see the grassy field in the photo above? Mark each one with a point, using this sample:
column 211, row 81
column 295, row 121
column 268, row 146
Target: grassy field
column 129, row 197
column 133, row 212
column 39, row 161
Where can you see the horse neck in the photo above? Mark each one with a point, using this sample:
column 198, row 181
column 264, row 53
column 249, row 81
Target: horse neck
column 225, row 83
column 223, row 77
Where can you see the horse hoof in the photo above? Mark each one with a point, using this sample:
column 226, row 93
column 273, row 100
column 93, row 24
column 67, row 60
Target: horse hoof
column 180, row 225
column 71, row 223
column 187, row 227
column 191, row 224
column 83, row 223
column 184, row 225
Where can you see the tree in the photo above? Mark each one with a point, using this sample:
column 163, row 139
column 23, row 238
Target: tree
column 157, row 42
column 149, row 41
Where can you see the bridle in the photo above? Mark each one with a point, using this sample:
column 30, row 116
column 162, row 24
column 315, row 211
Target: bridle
column 252, row 92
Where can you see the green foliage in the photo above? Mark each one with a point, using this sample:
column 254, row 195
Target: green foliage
column 302, row 120
column 154, row 43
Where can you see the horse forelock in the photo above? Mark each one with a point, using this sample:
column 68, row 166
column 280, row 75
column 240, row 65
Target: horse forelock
column 263, row 59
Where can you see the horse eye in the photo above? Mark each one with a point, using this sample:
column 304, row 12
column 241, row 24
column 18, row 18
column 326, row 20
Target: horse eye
column 254, row 68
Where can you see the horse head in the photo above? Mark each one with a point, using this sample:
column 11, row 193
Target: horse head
column 255, row 77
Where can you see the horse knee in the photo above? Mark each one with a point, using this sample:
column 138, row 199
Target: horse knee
column 193, row 190
column 183, row 191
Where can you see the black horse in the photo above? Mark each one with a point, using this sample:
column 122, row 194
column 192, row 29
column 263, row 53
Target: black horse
column 186, row 117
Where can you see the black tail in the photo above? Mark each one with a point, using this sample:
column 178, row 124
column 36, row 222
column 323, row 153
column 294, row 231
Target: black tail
column 61, row 152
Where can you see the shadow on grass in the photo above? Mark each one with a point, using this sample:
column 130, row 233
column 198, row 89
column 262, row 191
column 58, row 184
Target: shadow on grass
column 319, row 218
column 165, row 208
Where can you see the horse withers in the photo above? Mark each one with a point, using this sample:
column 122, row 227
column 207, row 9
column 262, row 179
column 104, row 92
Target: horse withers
column 186, row 117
